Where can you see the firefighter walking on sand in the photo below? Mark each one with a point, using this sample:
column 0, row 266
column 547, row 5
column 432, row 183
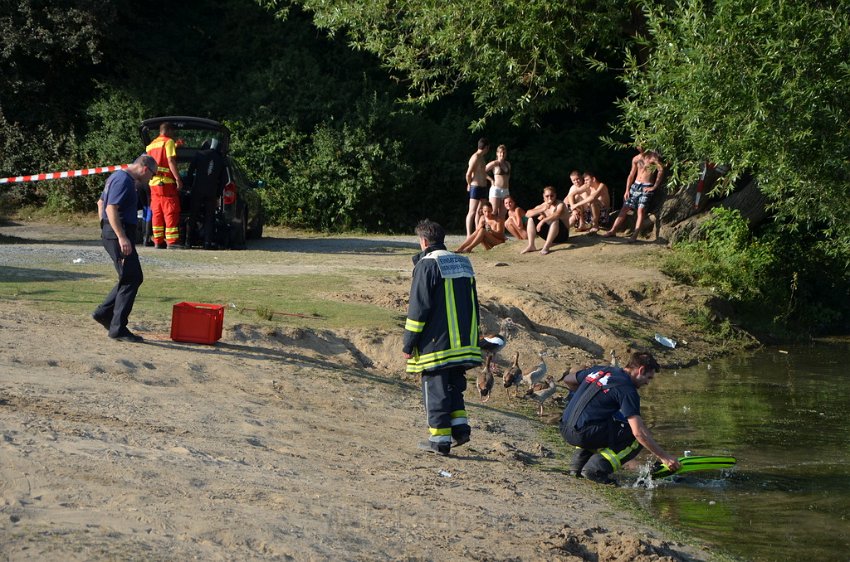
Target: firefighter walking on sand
column 165, row 189
column 441, row 335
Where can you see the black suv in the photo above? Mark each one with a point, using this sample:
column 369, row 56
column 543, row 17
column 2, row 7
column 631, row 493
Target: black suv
column 239, row 213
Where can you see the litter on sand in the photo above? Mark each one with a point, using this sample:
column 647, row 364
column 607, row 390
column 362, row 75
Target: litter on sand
column 445, row 474
column 665, row 341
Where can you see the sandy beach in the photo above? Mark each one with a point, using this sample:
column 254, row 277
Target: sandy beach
column 300, row 444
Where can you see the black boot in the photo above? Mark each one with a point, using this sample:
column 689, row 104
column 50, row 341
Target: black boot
column 441, row 448
column 580, row 458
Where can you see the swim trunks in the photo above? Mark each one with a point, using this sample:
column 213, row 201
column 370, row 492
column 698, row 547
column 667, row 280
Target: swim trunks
column 637, row 198
column 477, row 192
column 499, row 193
column 562, row 236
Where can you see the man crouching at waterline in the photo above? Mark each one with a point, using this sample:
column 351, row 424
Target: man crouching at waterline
column 441, row 335
column 602, row 419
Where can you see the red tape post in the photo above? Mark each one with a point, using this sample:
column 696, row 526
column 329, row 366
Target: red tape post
column 60, row 175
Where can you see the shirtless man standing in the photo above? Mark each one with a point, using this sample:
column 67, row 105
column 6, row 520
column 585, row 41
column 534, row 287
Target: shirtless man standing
column 476, row 183
column 500, row 168
column 644, row 178
column 547, row 220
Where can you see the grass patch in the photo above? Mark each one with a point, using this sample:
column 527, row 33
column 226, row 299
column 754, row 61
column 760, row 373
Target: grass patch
column 273, row 299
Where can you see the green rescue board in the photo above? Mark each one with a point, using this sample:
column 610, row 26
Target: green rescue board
column 694, row 464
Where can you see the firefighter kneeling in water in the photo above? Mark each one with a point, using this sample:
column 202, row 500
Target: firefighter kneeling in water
column 602, row 419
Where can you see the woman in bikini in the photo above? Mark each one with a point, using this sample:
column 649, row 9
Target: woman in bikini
column 500, row 170
column 490, row 231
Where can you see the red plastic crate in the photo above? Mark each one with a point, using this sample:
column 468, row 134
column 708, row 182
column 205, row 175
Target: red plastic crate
column 196, row 322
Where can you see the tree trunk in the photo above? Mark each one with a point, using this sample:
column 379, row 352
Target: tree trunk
column 676, row 215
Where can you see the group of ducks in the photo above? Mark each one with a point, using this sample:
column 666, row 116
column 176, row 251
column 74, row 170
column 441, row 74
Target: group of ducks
column 540, row 386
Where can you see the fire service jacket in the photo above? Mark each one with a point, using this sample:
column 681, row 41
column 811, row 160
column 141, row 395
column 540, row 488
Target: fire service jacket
column 441, row 330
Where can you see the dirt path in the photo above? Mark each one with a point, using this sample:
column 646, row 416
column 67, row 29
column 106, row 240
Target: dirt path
column 300, row 445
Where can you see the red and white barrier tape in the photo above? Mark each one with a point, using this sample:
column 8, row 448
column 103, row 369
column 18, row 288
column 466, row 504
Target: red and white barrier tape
column 60, row 175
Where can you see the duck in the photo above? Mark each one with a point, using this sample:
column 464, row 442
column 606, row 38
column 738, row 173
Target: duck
column 543, row 392
column 614, row 361
column 485, row 380
column 535, row 376
column 492, row 344
column 513, row 376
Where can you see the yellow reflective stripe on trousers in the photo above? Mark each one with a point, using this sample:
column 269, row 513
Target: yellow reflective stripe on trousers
column 459, row 418
column 451, row 314
column 616, row 459
column 440, row 431
column 414, row 326
column 473, row 329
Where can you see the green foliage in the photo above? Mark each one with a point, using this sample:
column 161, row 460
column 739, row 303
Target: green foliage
column 350, row 176
column 47, row 51
column 757, row 84
column 520, row 57
column 775, row 283
column 726, row 258
column 113, row 118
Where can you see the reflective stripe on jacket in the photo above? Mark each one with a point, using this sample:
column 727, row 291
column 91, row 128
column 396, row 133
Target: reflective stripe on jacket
column 441, row 329
column 161, row 148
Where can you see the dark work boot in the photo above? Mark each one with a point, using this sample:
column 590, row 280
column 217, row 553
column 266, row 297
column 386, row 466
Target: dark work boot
column 441, row 448
column 461, row 434
column 598, row 469
column 580, row 458
column 598, row 477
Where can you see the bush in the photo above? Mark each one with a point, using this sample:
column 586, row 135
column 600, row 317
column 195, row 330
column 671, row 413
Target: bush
column 774, row 282
column 344, row 176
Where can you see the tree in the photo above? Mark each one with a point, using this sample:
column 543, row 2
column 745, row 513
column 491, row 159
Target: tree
column 520, row 57
column 761, row 85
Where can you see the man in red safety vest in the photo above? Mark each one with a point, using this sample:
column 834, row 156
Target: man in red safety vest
column 165, row 189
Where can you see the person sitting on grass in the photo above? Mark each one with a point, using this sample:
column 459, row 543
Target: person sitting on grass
column 515, row 224
column 597, row 201
column 547, row 220
column 489, row 232
column 578, row 190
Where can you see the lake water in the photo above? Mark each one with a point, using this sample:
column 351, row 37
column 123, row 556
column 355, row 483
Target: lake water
column 783, row 413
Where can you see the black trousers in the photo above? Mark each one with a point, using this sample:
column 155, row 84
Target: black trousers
column 601, row 448
column 119, row 302
column 205, row 206
column 442, row 392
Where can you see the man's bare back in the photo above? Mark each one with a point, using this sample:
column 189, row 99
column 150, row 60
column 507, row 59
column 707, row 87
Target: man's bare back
column 476, row 174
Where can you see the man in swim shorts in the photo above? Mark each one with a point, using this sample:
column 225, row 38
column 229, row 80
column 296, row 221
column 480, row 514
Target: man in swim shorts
column 476, row 183
column 644, row 178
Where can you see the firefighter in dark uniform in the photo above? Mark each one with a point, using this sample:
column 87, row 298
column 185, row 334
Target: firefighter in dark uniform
column 441, row 335
column 207, row 177
column 602, row 419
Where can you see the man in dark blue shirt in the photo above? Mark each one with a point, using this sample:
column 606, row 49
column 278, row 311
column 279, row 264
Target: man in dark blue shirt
column 602, row 419
column 117, row 209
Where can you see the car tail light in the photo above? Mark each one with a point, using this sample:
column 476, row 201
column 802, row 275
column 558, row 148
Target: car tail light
column 230, row 193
